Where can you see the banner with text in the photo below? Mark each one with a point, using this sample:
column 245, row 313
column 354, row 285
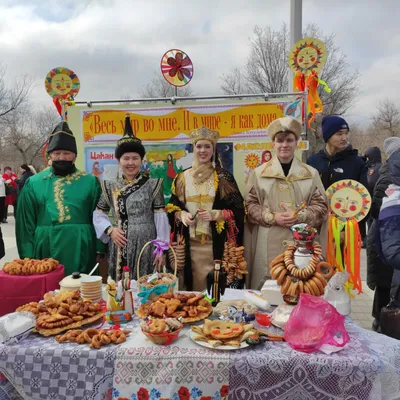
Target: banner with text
column 174, row 123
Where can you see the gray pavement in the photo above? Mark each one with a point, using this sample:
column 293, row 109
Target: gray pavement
column 361, row 304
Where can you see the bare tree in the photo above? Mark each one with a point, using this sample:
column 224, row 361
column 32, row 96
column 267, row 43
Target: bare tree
column 266, row 71
column 26, row 132
column 387, row 119
column 11, row 98
column 159, row 87
column 232, row 83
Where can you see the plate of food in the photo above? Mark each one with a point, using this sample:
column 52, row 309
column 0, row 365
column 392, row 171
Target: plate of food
column 188, row 306
column 222, row 335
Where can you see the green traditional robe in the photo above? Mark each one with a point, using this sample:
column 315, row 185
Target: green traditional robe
column 54, row 219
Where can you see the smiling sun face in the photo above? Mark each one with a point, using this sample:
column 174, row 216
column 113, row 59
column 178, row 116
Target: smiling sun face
column 346, row 203
column 61, row 84
column 252, row 161
column 307, row 57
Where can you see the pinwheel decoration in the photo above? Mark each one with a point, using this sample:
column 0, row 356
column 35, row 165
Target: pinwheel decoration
column 177, row 67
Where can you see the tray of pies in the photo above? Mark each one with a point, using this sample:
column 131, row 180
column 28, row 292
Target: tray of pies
column 190, row 306
column 29, row 266
column 63, row 311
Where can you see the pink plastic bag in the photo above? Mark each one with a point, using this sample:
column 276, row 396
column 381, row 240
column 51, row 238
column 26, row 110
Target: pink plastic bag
column 314, row 322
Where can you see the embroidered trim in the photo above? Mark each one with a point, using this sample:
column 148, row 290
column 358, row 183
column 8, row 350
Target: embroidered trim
column 59, row 191
column 220, row 226
column 170, row 208
column 216, row 181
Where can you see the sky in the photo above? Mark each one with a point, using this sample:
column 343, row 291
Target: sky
column 115, row 46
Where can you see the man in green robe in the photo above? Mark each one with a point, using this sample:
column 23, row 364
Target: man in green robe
column 54, row 215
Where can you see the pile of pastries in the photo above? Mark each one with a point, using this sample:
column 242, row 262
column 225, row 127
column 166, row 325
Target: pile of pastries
column 28, row 266
column 233, row 262
column 190, row 307
column 95, row 338
column 157, row 326
column 162, row 279
column 62, row 312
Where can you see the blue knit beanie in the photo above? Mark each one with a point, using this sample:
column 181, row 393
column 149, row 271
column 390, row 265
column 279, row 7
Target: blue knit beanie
column 332, row 124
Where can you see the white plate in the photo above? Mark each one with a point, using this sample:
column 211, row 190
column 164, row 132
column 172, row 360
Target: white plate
column 208, row 345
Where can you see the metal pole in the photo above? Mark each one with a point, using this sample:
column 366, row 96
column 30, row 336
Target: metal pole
column 263, row 96
column 296, row 15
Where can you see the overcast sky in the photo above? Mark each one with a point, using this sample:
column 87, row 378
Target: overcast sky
column 115, row 46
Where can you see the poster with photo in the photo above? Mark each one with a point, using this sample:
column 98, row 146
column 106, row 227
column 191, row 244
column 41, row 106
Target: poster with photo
column 164, row 161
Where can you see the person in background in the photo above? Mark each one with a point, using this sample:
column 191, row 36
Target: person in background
column 379, row 274
column 338, row 160
column 11, row 191
column 275, row 190
column 2, row 197
column 387, row 238
column 54, row 216
column 373, row 163
column 25, row 174
column 203, row 197
column 136, row 202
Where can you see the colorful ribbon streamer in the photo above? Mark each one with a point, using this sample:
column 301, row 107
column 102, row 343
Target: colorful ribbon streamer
column 310, row 83
column 348, row 258
column 160, row 246
column 157, row 290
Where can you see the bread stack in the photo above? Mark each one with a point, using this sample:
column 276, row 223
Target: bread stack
column 180, row 252
column 233, row 262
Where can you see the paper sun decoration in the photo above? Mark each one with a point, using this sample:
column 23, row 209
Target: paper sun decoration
column 62, row 84
column 306, row 59
column 349, row 203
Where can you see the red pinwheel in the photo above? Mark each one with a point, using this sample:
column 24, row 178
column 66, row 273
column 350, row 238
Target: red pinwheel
column 177, row 67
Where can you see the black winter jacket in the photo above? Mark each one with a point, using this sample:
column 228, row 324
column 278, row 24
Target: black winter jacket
column 374, row 164
column 346, row 164
column 378, row 272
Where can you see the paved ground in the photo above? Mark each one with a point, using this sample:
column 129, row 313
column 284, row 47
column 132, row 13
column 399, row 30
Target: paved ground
column 361, row 304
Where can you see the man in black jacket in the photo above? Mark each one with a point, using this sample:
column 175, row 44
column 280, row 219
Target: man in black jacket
column 373, row 163
column 338, row 160
column 379, row 274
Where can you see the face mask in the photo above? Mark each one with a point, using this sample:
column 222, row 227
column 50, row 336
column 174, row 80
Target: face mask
column 62, row 167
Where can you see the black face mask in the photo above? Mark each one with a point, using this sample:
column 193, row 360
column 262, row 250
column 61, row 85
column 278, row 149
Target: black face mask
column 63, row 167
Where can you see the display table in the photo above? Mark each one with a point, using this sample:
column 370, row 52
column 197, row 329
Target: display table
column 40, row 368
column 17, row 290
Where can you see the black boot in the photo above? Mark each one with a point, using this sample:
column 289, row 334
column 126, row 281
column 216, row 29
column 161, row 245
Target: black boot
column 376, row 325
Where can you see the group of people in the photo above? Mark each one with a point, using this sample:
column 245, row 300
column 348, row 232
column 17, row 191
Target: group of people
column 69, row 215
column 10, row 188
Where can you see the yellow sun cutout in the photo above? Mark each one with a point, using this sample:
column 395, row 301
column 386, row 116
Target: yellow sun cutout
column 252, row 161
column 307, row 55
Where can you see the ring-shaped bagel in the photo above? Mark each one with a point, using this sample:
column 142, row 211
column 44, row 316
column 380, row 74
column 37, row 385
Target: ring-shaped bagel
column 325, row 265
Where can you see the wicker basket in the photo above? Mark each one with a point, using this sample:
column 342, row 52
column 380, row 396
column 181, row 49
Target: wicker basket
column 143, row 285
column 164, row 338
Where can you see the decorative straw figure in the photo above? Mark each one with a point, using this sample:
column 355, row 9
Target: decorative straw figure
column 216, row 283
column 112, row 304
column 127, row 300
